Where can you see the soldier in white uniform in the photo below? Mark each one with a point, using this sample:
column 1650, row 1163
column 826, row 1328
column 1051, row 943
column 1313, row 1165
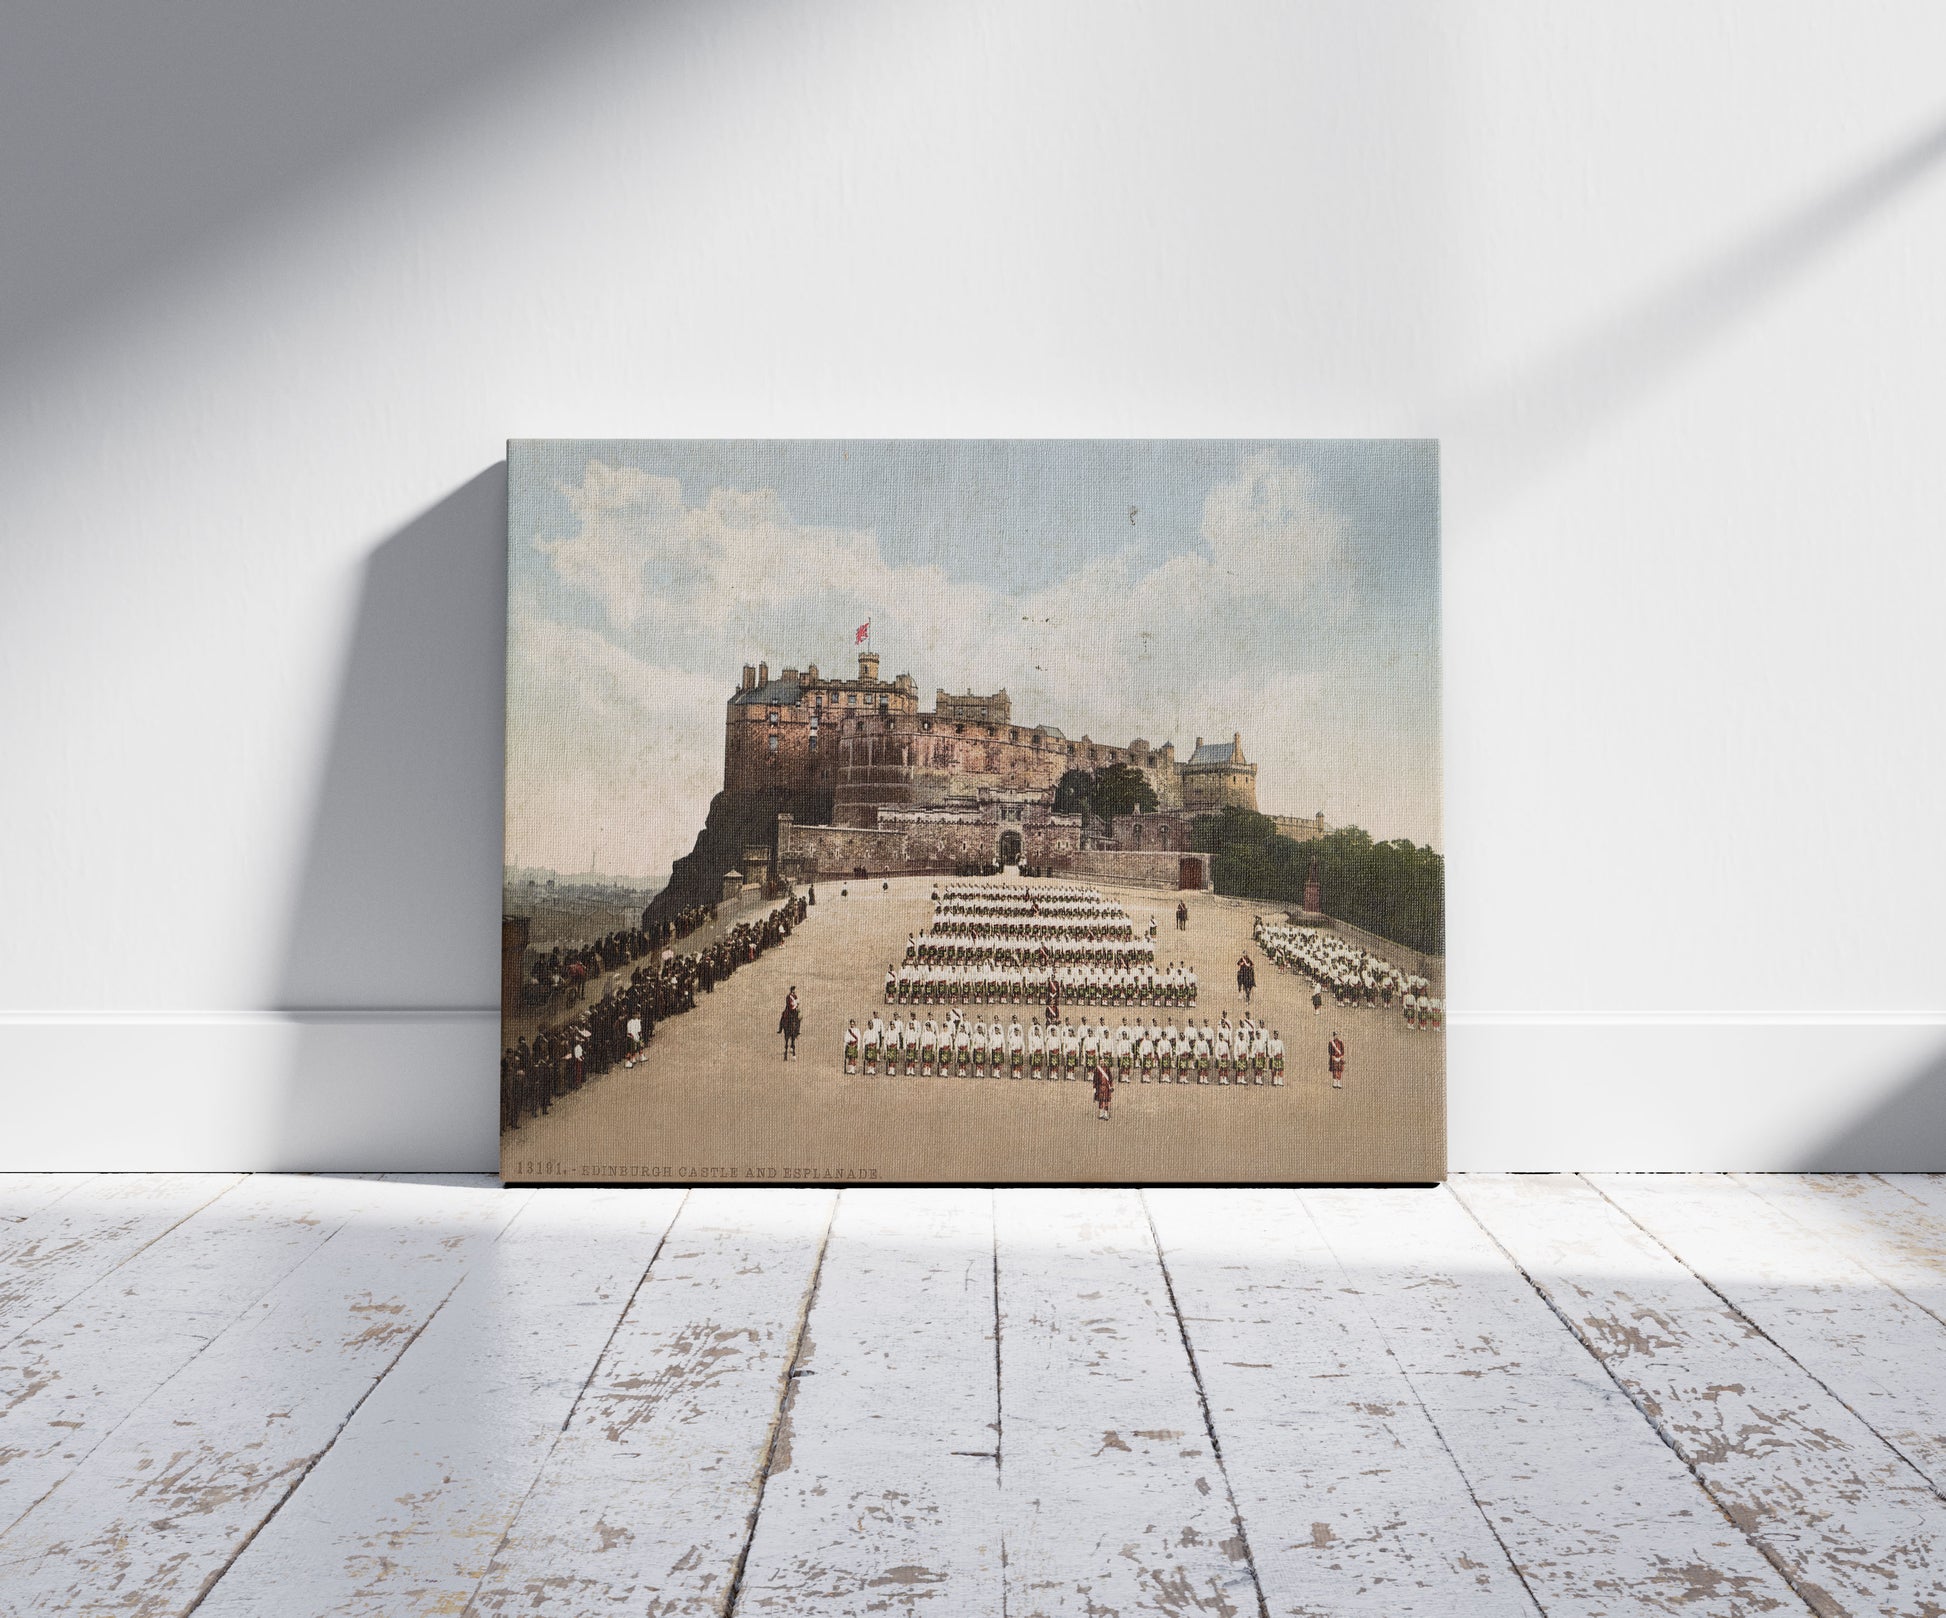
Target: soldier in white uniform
column 853, row 1044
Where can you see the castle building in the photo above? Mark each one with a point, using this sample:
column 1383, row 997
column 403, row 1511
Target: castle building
column 913, row 789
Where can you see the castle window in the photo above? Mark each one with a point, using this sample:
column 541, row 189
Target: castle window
column 852, row 698
column 1013, row 735
column 925, row 724
column 773, row 716
column 773, row 741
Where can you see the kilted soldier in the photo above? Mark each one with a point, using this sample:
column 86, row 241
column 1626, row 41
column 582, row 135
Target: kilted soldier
column 962, row 1046
column 928, row 1048
column 980, row 1049
column 1259, row 1057
column 1124, row 1056
column 1016, row 1048
column 1070, row 1052
column 1104, row 1087
column 1204, row 1053
column 1036, row 1051
column 1090, row 1044
column 1053, row 999
column 1276, row 1057
column 1145, row 1056
column 1317, row 1000
column 1436, row 1013
column 1334, row 1055
column 895, row 1046
column 874, row 1033
column 853, row 1045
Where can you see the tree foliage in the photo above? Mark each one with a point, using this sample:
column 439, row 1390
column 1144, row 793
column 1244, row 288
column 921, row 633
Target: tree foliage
column 1121, row 789
column 1072, row 792
column 1114, row 789
column 1396, row 889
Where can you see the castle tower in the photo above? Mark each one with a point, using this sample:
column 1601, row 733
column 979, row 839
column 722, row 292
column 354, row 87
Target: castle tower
column 1218, row 776
column 868, row 665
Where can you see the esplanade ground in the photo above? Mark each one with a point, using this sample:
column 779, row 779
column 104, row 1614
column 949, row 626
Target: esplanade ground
column 713, row 1099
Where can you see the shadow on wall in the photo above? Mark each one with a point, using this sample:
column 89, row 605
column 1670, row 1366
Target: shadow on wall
column 135, row 139
column 1550, row 409
column 391, row 961
column 1904, row 1134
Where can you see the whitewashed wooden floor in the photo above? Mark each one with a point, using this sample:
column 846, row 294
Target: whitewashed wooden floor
column 1564, row 1395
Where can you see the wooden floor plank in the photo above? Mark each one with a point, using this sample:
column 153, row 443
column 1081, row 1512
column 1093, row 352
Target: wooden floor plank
column 1872, row 1347
column 1599, row 1516
column 883, row 1495
column 404, row 1513
column 1113, row 1499
column 148, row 1521
column 1852, row 1524
column 60, row 1249
column 73, row 1377
column 23, row 1194
column 646, row 1503
column 1893, row 1224
column 1350, row 1500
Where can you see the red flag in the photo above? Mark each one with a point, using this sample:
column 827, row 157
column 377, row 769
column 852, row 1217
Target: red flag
column 864, row 629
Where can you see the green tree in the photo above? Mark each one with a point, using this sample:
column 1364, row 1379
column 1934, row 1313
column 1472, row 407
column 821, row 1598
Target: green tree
column 1395, row 889
column 1121, row 789
column 1073, row 792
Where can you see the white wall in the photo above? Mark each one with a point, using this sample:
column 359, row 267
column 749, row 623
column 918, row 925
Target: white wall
column 279, row 282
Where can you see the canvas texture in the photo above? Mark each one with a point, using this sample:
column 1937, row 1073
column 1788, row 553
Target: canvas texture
column 973, row 811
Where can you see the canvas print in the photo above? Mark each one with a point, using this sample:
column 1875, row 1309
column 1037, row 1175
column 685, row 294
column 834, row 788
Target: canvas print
column 978, row 811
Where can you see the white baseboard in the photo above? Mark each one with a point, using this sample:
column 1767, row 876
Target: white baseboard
column 415, row 1090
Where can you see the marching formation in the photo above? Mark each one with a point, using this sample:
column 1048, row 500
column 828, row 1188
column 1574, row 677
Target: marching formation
column 1009, row 945
column 1350, row 974
column 1244, row 1052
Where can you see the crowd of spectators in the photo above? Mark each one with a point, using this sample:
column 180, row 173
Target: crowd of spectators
column 616, row 1028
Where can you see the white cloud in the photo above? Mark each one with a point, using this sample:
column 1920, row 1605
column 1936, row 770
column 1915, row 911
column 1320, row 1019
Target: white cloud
column 1241, row 634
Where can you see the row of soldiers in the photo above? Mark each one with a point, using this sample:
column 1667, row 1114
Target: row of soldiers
column 998, row 983
column 959, row 923
column 1348, row 972
column 1016, row 898
column 617, row 1028
column 1242, row 1053
column 1074, row 949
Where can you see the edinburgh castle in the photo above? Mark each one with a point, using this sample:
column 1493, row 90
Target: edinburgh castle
column 832, row 777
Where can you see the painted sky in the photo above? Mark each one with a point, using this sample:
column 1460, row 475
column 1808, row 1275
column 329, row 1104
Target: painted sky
column 1123, row 588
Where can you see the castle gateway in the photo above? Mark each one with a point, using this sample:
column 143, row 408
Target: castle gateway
column 915, row 791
